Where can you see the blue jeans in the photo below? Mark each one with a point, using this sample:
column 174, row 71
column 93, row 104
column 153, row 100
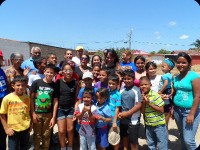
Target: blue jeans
column 87, row 143
column 157, row 137
column 187, row 131
column 19, row 141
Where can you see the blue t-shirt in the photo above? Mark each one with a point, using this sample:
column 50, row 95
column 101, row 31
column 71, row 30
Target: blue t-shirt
column 184, row 96
column 29, row 63
column 3, row 84
column 130, row 64
column 104, row 111
column 114, row 101
column 80, row 95
column 166, row 76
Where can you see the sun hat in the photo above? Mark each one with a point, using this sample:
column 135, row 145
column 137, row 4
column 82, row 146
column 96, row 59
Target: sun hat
column 114, row 136
column 87, row 74
column 79, row 48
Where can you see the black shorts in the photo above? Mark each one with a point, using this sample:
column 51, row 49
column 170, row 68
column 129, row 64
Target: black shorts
column 132, row 131
column 167, row 108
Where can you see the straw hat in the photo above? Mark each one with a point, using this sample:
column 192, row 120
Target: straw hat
column 114, row 136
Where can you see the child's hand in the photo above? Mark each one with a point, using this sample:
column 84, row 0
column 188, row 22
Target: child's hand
column 145, row 98
column 87, row 108
column 9, row 132
column 74, row 118
column 52, row 123
column 114, row 126
column 35, row 118
column 99, row 117
column 164, row 96
column 122, row 115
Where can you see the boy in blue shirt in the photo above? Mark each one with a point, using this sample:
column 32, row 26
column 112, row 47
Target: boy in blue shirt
column 114, row 102
column 130, row 111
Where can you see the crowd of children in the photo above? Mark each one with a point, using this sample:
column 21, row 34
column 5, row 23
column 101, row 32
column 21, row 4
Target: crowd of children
column 102, row 102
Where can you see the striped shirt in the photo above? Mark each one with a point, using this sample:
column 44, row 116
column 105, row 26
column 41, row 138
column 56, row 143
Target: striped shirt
column 153, row 117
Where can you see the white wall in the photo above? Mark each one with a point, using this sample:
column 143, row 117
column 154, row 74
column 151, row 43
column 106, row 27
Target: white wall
column 10, row 46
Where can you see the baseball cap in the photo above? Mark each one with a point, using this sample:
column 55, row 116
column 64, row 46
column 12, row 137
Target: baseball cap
column 87, row 75
column 114, row 136
column 1, row 53
column 79, row 48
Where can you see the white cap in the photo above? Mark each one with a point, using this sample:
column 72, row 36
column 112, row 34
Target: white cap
column 87, row 75
column 114, row 136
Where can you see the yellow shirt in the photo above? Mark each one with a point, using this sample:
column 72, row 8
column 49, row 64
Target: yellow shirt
column 17, row 109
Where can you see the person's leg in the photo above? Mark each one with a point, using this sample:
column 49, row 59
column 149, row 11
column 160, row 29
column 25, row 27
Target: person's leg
column 70, row 131
column 13, row 141
column 91, row 141
column 124, row 135
column 37, row 133
column 151, row 138
column 179, row 122
column 133, row 135
column 83, row 143
column 2, row 137
column 24, row 139
column 62, row 132
column 190, row 130
column 162, row 137
column 46, row 131
column 61, row 122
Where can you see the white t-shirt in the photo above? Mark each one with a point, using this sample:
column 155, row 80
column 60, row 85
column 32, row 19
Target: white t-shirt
column 76, row 60
column 155, row 83
column 34, row 77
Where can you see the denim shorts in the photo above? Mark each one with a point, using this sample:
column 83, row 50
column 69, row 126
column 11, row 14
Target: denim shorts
column 65, row 113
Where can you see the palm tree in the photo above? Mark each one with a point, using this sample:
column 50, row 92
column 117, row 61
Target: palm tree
column 196, row 43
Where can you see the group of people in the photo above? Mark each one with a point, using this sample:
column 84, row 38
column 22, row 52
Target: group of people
column 96, row 99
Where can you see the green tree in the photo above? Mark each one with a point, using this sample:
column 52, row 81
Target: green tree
column 153, row 53
column 196, row 43
column 163, row 51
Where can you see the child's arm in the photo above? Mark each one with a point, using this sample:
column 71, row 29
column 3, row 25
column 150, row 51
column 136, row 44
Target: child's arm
column 8, row 130
column 144, row 97
column 34, row 117
column 55, row 108
column 104, row 119
column 163, row 87
column 130, row 112
column 114, row 124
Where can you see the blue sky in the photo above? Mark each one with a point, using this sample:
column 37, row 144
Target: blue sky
column 100, row 24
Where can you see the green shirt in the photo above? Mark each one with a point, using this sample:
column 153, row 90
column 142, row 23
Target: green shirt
column 153, row 117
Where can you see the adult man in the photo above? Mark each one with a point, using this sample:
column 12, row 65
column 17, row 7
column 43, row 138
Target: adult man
column 35, row 53
column 126, row 61
column 79, row 53
column 3, row 92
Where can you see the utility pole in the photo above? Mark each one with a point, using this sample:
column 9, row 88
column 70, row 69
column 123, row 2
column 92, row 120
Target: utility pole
column 129, row 39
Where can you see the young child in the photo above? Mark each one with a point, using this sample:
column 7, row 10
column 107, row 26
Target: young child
column 165, row 86
column 103, row 77
column 114, row 102
column 86, row 113
column 104, row 117
column 44, row 105
column 40, row 64
column 130, row 115
column 153, row 110
column 15, row 115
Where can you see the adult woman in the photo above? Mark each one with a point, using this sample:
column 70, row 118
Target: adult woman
column 186, row 101
column 16, row 61
column 111, row 60
column 83, row 67
column 96, row 61
column 68, row 89
column 140, row 63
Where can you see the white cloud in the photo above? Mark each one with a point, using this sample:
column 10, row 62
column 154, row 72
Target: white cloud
column 172, row 23
column 183, row 37
column 158, row 36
